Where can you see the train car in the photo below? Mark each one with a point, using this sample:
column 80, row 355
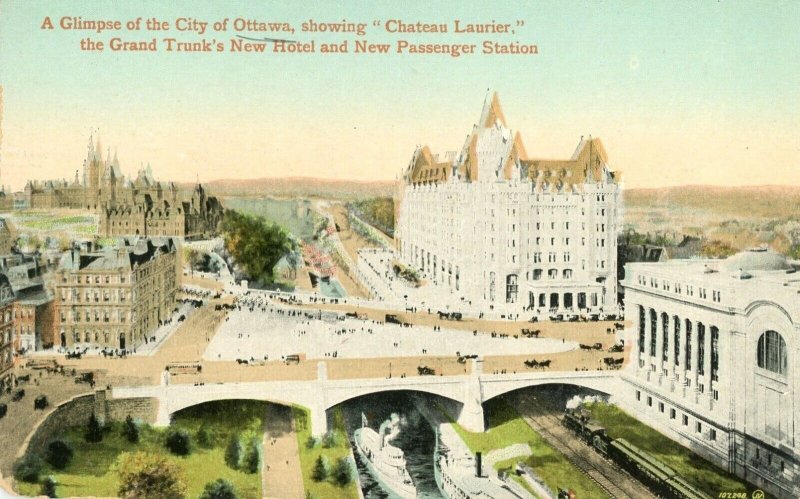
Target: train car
column 680, row 489
column 640, row 464
column 653, row 473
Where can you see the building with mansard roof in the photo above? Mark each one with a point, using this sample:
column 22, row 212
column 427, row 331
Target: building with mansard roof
column 115, row 297
column 494, row 226
column 716, row 361
column 136, row 206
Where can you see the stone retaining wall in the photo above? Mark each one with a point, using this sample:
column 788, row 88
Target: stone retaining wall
column 76, row 412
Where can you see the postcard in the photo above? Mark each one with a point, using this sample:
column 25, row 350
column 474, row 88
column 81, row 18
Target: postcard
column 323, row 250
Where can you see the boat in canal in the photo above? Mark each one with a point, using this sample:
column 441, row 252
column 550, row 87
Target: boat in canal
column 385, row 462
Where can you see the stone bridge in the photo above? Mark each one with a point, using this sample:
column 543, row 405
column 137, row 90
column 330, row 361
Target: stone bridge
column 465, row 394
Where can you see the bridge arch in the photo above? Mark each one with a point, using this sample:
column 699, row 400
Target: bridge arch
column 606, row 382
column 185, row 404
column 335, row 399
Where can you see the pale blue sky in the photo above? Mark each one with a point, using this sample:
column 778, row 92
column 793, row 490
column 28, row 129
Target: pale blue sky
column 680, row 92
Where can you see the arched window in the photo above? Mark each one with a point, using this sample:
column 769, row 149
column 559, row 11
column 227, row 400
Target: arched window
column 771, row 353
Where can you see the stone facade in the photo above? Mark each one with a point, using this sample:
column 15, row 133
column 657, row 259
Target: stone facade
column 6, row 331
column 6, row 237
column 495, row 227
column 140, row 206
column 76, row 412
column 115, row 297
column 716, row 362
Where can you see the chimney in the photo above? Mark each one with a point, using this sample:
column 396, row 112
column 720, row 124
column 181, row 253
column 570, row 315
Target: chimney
column 478, row 464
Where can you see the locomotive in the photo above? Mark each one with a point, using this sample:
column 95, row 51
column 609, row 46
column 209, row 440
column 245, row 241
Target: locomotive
column 659, row 477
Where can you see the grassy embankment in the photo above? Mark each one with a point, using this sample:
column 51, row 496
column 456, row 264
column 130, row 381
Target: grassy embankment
column 92, row 470
column 697, row 471
column 505, row 428
column 338, row 447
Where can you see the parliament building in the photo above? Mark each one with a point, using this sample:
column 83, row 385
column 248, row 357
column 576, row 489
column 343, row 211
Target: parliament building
column 495, row 227
column 140, row 206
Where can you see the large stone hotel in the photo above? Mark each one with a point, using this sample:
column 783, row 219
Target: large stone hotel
column 498, row 228
column 716, row 362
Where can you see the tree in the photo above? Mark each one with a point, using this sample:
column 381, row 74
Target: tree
column 219, row 489
column 49, row 487
column 129, row 430
column 254, row 244
column 331, row 439
column 59, row 454
column 93, row 433
column 311, row 442
column 28, row 468
column 233, row 452
column 178, row 441
column 251, row 457
column 341, row 472
column 142, row 474
column 192, row 257
column 320, row 471
column 203, row 437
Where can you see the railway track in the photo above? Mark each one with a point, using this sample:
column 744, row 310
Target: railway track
column 615, row 482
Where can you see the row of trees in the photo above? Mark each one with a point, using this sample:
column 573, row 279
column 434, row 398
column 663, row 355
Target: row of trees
column 376, row 211
column 144, row 474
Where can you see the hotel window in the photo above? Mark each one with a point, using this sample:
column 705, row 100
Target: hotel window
column 685, row 420
column 672, row 413
column 649, row 401
column 537, row 274
column 552, row 273
column 661, row 407
column 698, row 427
column 638, row 395
column 566, row 256
column 567, row 273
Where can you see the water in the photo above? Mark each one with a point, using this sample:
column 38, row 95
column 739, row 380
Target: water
column 332, row 288
column 416, row 439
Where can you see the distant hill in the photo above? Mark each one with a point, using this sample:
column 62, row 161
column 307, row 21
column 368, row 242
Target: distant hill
column 748, row 201
column 299, row 187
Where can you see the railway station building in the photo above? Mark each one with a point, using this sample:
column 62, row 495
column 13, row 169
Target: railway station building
column 716, row 361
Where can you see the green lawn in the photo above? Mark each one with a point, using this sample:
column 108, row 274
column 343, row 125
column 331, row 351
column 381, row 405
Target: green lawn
column 696, row 470
column 308, row 456
column 506, row 428
column 92, row 471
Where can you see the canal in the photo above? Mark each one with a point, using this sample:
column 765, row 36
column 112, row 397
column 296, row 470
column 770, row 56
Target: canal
column 415, row 438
